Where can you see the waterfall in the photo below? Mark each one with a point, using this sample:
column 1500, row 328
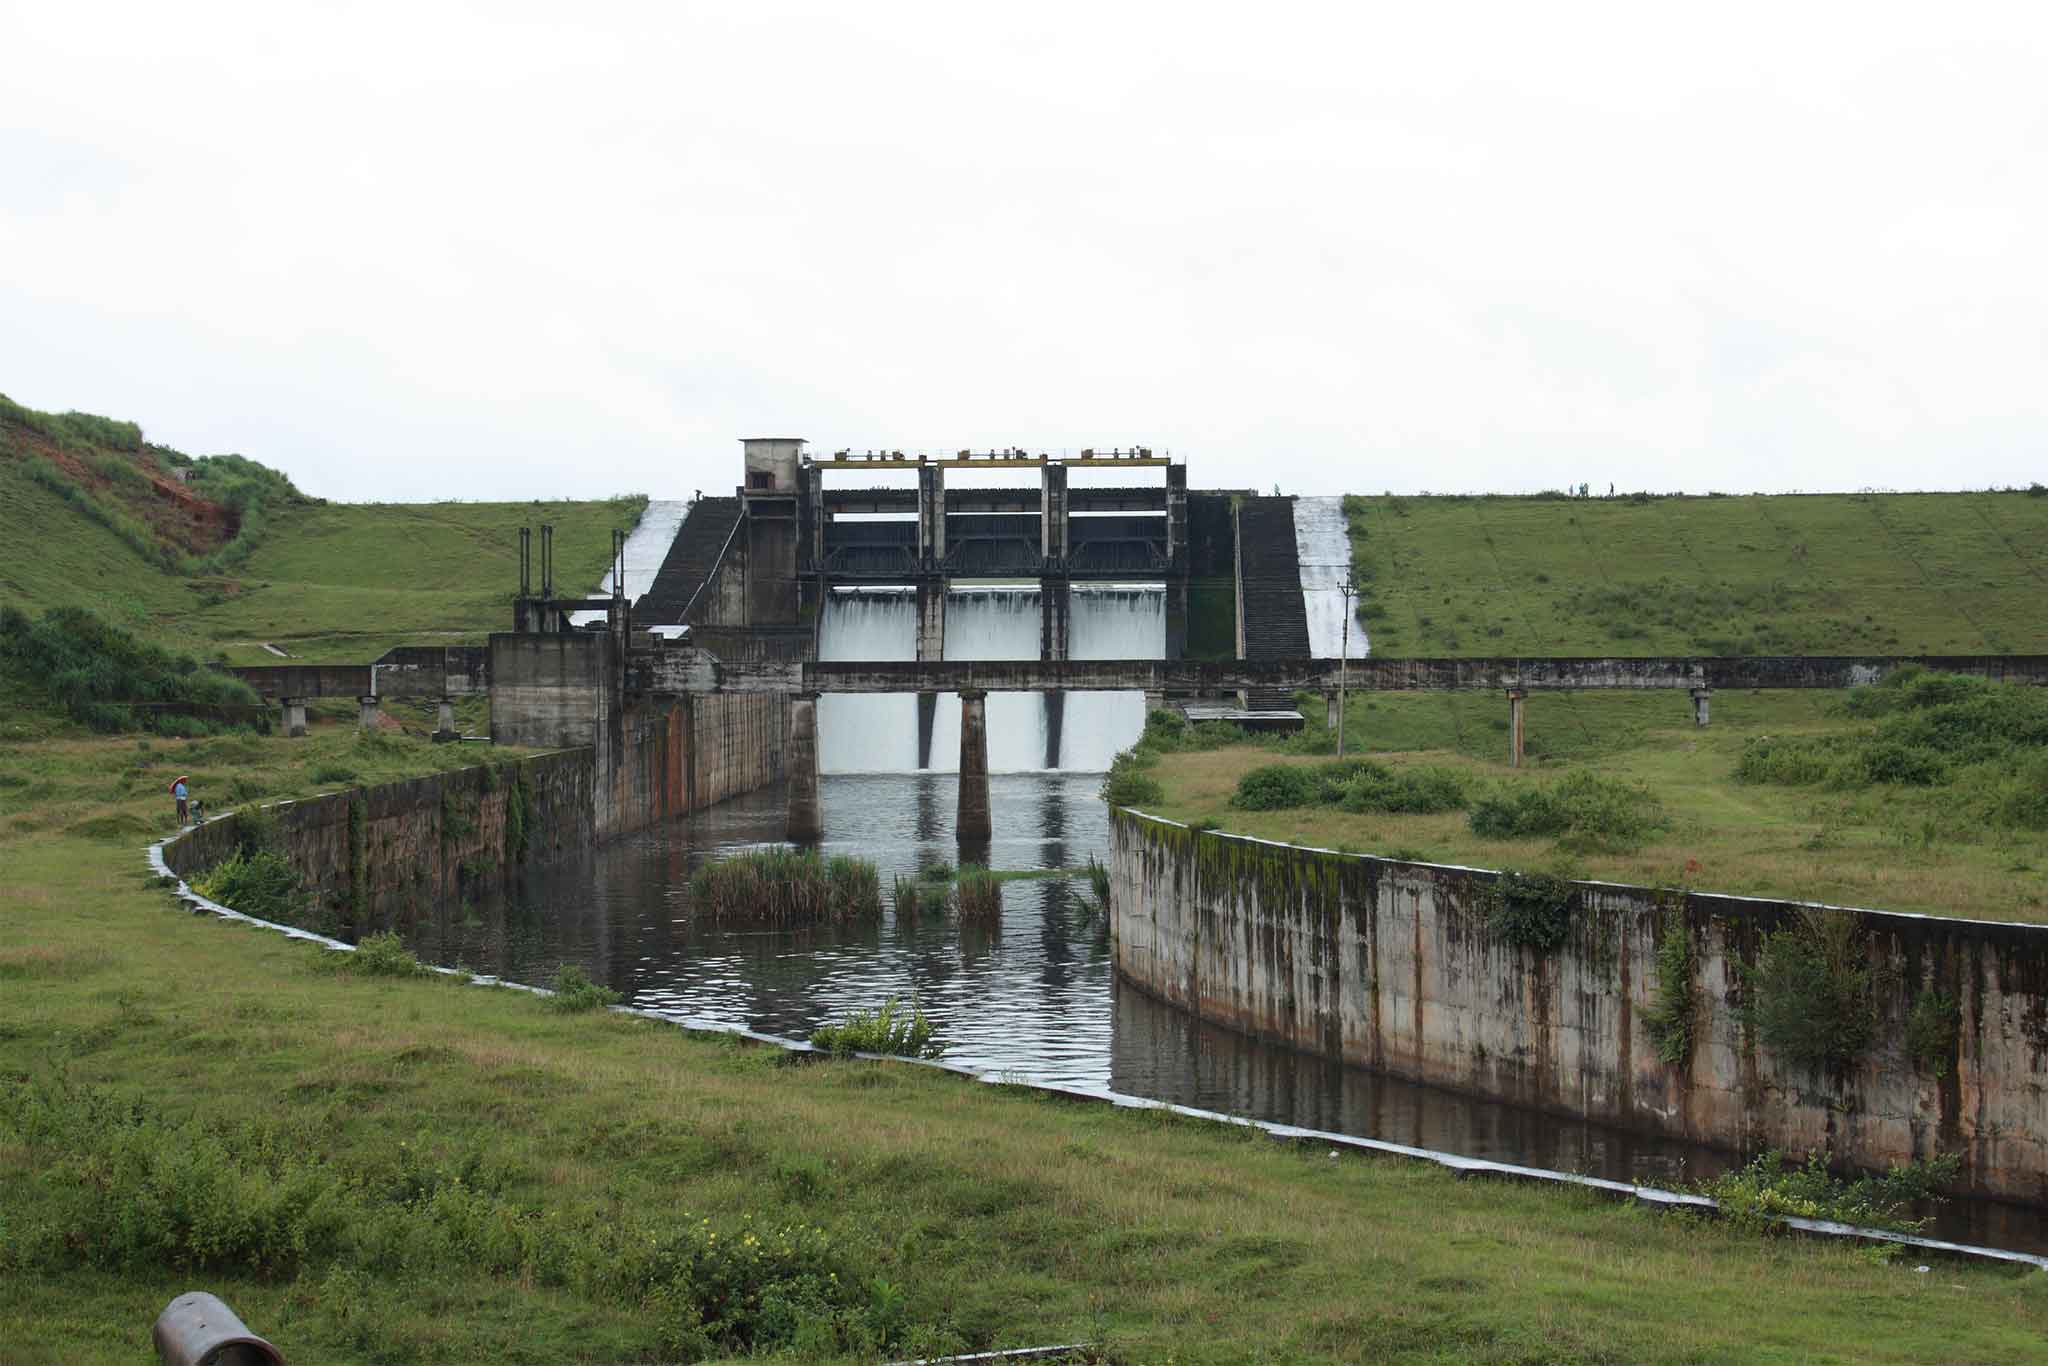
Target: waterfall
column 646, row 547
column 1322, row 539
column 868, row 733
column 878, row 734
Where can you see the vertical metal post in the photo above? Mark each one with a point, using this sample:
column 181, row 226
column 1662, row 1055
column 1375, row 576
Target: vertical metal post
column 547, row 560
column 1516, row 696
column 526, row 562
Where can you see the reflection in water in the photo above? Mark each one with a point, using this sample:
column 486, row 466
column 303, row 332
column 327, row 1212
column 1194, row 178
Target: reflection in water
column 1031, row 998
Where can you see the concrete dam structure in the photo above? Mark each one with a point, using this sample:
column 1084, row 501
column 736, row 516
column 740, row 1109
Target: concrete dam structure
column 1396, row 966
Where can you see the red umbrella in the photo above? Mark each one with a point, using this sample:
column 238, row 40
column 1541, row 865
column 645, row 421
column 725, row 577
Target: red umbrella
column 175, row 781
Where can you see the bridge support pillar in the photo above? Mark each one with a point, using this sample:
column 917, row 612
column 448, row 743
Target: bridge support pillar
column 444, row 727
column 1330, row 712
column 800, row 761
column 1052, row 513
column 973, row 825
column 931, row 648
column 1700, row 697
column 1055, row 617
column 1055, row 726
column 1154, row 701
column 1516, row 697
column 366, row 712
column 294, row 716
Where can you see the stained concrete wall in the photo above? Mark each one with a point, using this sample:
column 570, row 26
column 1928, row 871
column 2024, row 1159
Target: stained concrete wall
column 374, row 857
column 1392, row 965
column 651, row 757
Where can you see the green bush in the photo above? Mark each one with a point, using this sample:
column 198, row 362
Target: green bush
column 333, row 773
column 86, row 665
column 1669, row 1017
column 893, row 1029
column 1278, row 787
column 1127, row 784
column 1530, row 910
column 381, row 955
column 1932, row 1027
column 1421, row 790
column 1757, row 1196
column 1582, row 809
column 575, row 992
column 259, row 882
column 1810, row 994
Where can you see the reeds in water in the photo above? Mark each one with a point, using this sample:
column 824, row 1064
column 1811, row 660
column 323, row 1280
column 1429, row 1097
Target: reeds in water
column 788, row 887
column 894, row 1029
column 979, row 895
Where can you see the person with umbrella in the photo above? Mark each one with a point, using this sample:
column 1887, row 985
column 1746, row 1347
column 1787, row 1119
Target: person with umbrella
column 179, row 792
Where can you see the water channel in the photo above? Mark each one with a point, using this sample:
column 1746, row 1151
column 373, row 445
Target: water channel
column 1035, row 1000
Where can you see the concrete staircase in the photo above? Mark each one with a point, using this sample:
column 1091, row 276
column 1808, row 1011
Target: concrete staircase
column 690, row 560
column 1275, row 621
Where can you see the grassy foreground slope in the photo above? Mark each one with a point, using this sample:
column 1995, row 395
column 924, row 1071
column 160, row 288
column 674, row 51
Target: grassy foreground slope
column 326, row 581
column 1919, row 573
column 521, row 1184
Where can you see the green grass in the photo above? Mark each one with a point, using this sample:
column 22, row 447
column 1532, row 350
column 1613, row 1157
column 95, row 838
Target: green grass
column 503, row 1168
column 330, row 582
column 1928, row 849
column 1955, row 573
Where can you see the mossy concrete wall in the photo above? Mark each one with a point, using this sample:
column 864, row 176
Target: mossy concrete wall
column 370, row 857
column 1393, row 965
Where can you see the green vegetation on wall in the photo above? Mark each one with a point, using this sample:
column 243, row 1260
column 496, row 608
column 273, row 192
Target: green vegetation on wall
column 1810, row 993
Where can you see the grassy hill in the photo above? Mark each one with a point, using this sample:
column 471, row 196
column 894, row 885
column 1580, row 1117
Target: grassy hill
column 1915, row 573
column 231, row 555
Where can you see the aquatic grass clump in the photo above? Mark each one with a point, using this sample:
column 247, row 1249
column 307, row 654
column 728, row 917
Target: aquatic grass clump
column 979, row 895
column 1757, row 1196
column 787, row 887
column 893, row 1029
column 855, row 885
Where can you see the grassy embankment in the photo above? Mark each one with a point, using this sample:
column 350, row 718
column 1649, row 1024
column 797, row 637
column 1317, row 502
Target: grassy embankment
column 1882, row 845
column 457, row 1174
column 1934, row 573
column 325, row 581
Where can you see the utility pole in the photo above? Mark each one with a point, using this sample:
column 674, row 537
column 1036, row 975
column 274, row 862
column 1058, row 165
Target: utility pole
column 1349, row 589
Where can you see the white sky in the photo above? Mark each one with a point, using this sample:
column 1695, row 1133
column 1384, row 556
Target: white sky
column 415, row 250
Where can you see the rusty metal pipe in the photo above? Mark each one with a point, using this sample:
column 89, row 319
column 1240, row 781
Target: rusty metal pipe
column 196, row 1329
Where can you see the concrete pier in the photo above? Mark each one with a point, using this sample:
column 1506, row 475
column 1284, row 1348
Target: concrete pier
column 1055, row 617
column 1516, row 697
column 444, row 727
column 1700, row 698
column 806, row 817
column 931, row 647
column 1055, row 726
column 294, row 716
column 1052, row 514
column 366, row 712
column 973, row 825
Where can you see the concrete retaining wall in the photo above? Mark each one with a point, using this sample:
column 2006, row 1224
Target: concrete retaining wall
column 1392, row 965
column 376, row 855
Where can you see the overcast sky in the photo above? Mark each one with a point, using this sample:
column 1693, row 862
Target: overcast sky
column 419, row 251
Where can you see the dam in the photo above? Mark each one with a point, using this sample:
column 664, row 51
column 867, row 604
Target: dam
column 925, row 674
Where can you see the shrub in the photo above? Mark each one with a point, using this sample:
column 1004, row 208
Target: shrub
column 1787, row 763
column 1757, row 1196
column 1669, row 1017
column 381, row 955
column 1276, row 787
column 575, row 992
column 259, row 882
column 1127, row 784
column 333, row 773
column 892, row 1029
column 1932, row 1027
column 85, row 665
column 1422, row 790
column 1530, row 910
column 1583, row 809
column 1810, row 992
column 978, row 894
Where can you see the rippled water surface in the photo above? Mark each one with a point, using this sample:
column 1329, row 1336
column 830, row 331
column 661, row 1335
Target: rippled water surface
column 1034, row 1000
